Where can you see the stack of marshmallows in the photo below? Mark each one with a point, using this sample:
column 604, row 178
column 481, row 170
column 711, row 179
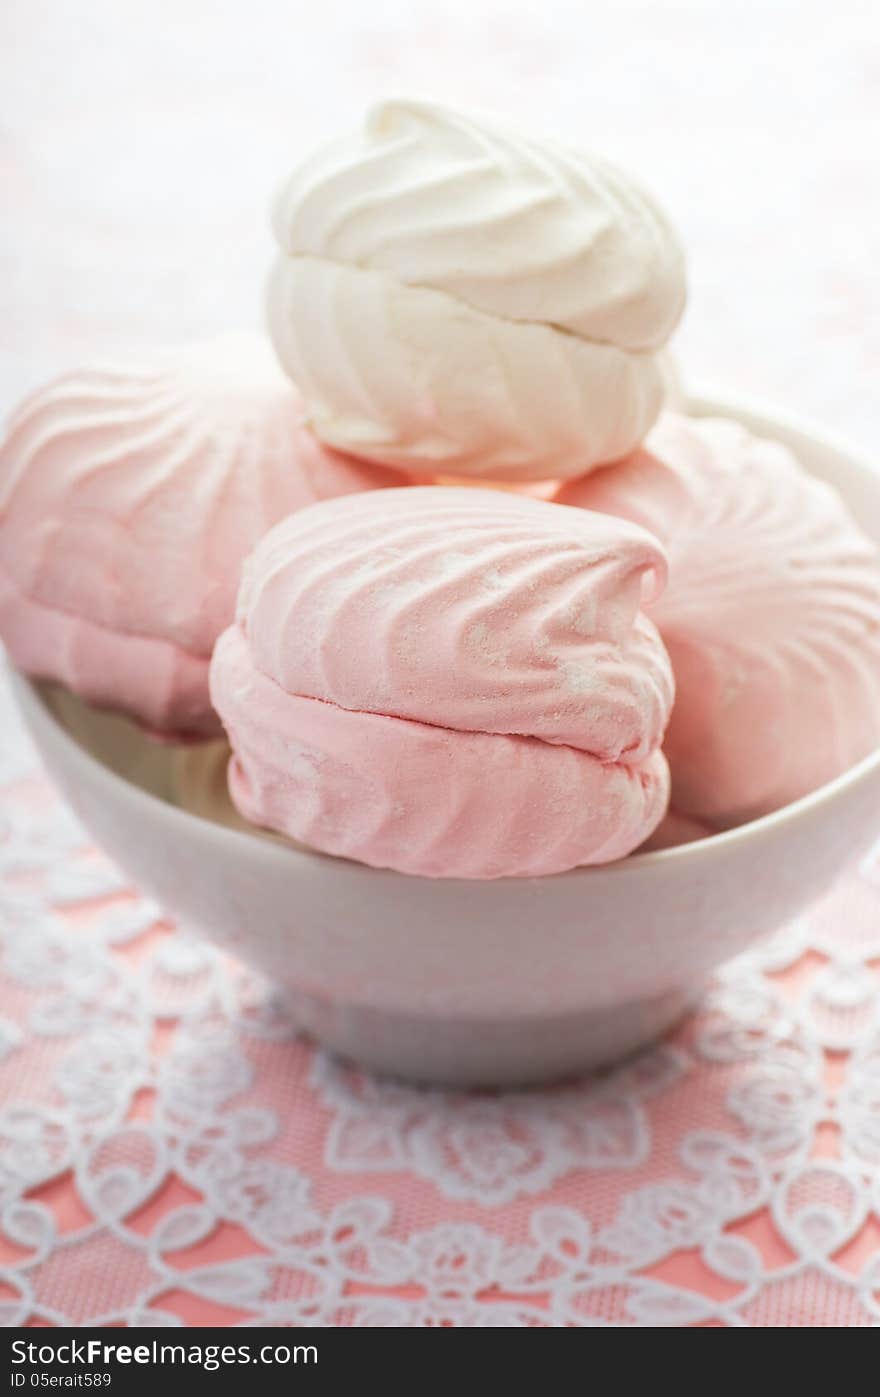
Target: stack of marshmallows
column 466, row 598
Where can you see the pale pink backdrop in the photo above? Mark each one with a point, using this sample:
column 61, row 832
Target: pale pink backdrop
column 168, row 1152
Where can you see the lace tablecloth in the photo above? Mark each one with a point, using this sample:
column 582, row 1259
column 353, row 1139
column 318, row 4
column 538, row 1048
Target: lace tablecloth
column 169, row 1153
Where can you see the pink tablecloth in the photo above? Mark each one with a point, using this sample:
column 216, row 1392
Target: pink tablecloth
column 168, row 1152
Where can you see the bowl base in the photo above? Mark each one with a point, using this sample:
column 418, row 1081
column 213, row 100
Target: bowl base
column 476, row 1053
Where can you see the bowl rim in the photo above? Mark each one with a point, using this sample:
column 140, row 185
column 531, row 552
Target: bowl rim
column 700, row 400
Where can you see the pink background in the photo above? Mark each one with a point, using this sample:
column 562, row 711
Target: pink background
column 167, row 1151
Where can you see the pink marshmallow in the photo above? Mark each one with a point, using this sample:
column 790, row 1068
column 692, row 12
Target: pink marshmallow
column 128, row 500
column 771, row 616
column 449, row 682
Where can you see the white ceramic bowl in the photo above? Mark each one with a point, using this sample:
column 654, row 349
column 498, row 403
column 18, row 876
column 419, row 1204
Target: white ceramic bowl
column 514, row 980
